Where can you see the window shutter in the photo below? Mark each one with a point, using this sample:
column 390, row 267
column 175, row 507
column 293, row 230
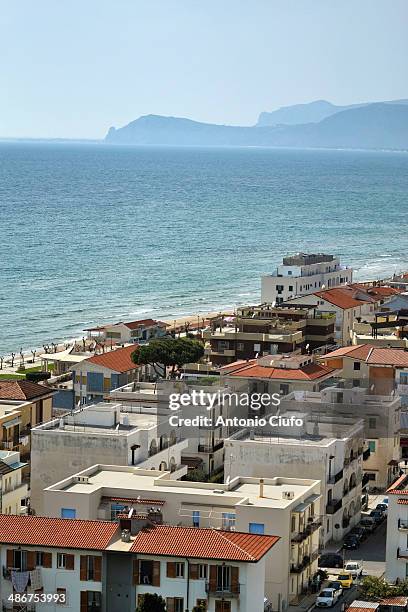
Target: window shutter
column 69, row 562
column 136, row 571
column 31, row 556
column 171, row 570
column 10, row 558
column 213, row 578
column 84, row 600
column 156, row 573
column 170, row 604
column 47, row 559
column 98, row 569
column 193, row 571
column 83, row 568
column 235, row 579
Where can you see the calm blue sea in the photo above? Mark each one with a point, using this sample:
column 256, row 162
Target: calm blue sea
column 93, row 233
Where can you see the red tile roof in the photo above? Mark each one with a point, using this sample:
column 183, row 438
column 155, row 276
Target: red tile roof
column 373, row 355
column 132, row 500
column 202, row 543
column 343, row 297
column 402, row 502
column 144, row 323
column 55, row 532
column 22, row 390
column 312, row 371
column 400, row 600
column 118, row 360
column 398, row 487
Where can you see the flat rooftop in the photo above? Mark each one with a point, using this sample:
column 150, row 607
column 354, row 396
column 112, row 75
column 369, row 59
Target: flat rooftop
column 112, row 481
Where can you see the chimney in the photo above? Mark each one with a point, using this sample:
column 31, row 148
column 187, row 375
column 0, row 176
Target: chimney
column 261, row 487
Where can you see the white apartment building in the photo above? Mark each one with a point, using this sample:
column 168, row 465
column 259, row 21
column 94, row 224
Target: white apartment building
column 287, row 507
column 137, row 332
column 13, row 490
column 101, row 432
column 396, row 566
column 328, row 449
column 301, row 274
column 381, row 416
column 96, row 566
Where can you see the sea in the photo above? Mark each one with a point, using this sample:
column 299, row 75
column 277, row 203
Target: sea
column 96, row 233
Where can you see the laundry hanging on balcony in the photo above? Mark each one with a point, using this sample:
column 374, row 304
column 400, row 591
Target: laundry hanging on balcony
column 19, row 580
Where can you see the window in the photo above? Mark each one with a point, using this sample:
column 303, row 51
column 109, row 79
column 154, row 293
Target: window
column 372, row 424
column 290, row 287
column 115, row 510
column 90, row 568
column 240, row 346
column 196, row 518
column 62, row 596
column 356, row 382
column 178, row 604
column 371, row 476
column 179, row 570
column 39, row 559
column 357, row 365
column 404, row 378
column 371, row 446
column 293, row 527
column 61, row 560
column 91, row 601
column 202, row 571
column 68, row 513
column 284, row 389
column 257, row 348
column 228, row 520
column 257, row 528
column 223, row 578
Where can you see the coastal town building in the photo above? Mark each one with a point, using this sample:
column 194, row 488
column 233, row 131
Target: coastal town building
column 287, row 507
column 382, row 370
column 328, row 449
column 97, row 375
column 92, row 566
column 381, row 415
column 303, row 273
column 396, row 566
column 97, row 433
column 23, row 405
column 138, row 332
column 279, row 374
column 349, row 303
column 13, row 487
column 264, row 329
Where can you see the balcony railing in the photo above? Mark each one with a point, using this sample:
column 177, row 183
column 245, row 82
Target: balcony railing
column 366, row 454
column 365, row 480
column 210, row 448
column 402, row 525
column 297, row 568
column 226, row 590
column 310, row 528
column 335, row 478
column 402, row 553
column 333, row 506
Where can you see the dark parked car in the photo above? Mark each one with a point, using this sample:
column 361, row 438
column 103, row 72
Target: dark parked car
column 351, row 541
column 368, row 523
column 331, row 560
column 382, row 508
column 377, row 515
column 360, row 532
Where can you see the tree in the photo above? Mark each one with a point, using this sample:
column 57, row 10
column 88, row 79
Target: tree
column 373, row 587
column 200, row 608
column 168, row 353
column 150, row 602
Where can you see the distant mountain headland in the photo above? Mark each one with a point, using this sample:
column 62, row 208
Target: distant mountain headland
column 320, row 124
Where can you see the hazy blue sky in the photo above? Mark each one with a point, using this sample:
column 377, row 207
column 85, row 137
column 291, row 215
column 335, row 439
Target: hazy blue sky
column 74, row 67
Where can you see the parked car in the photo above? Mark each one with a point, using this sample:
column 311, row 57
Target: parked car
column 351, row 542
column 331, row 560
column 382, row 508
column 346, row 580
column 368, row 523
column 355, row 568
column 360, row 532
column 378, row 516
column 327, row 598
column 385, row 501
column 335, row 584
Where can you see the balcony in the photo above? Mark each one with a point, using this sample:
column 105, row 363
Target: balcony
column 365, row 480
column 312, row 526
column 402, row 525
column 402, row 553
column 210, row 448
column 229, row 590
column 366, row 454
column 333, row 506
column 297, row 568
column 335, row 478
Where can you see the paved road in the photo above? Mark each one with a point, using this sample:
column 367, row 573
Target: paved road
column 372, row 552
column 348, row 596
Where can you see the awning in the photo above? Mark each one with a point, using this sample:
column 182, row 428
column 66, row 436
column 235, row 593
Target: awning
column 12, row 423
column 305, row 504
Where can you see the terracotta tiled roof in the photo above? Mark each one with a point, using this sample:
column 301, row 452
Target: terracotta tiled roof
column 394, row 601
column 144, row 323
column 343, row 297
column 22, row 390
column 144, row 502
column 398, row 487
column 363, row 606
column 118, row 360
column 402, row 502
column 63, row 533
column 312, row 371
column 202, row 543
column 236, row 365
column 373, row 355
